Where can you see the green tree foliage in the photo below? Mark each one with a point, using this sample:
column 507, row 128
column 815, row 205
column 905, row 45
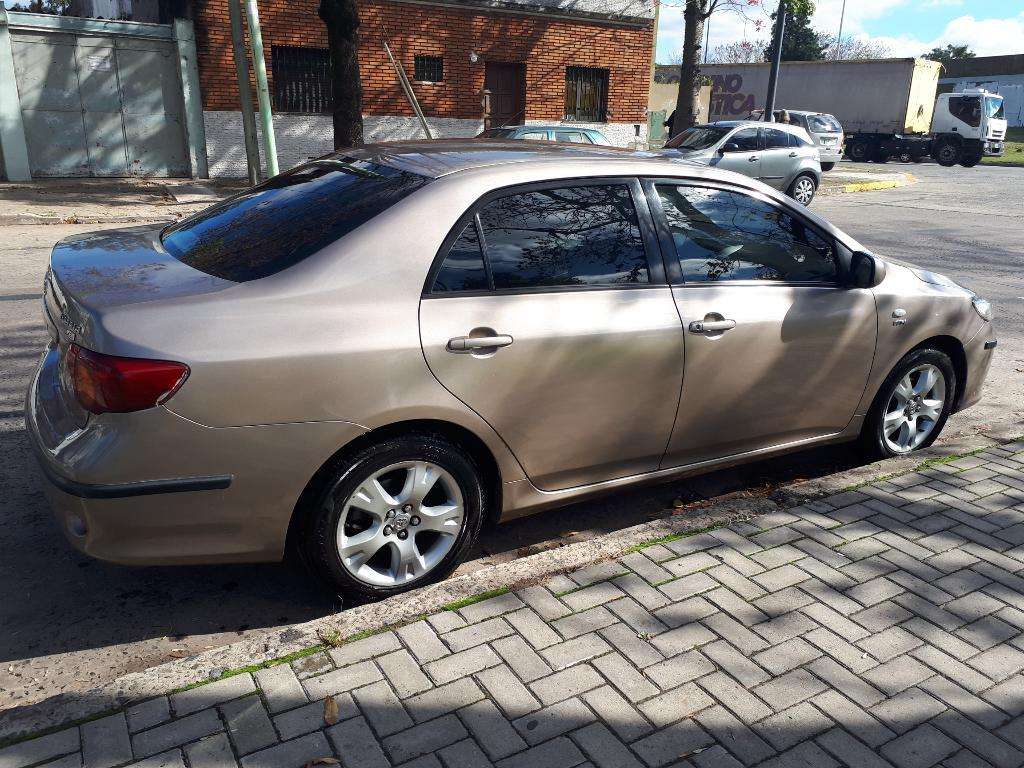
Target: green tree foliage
column 799, row 41
column 949, row 54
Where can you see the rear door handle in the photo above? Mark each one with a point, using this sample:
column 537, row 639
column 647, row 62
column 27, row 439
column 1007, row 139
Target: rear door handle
column 469, row 343
column 752, row 159
column 792, row 154
column 711, row 326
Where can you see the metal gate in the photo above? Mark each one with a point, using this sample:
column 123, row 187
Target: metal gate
column 101, row 105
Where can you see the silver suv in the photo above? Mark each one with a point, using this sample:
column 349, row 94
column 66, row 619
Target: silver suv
column 825, row 131
column 780, row 155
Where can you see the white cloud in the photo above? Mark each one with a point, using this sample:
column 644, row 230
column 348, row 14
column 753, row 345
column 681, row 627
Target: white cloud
column 986, row 37
column 941, row 3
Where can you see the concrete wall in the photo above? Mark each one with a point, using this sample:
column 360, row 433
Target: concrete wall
column 301, row 137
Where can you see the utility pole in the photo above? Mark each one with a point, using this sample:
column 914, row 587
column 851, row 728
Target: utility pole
column 252, row 153
column 839, row 38
column 707, row 38
column 262, row 91
column 773, row 76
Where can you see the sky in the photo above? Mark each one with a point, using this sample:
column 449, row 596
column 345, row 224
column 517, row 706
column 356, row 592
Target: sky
column 907, row 27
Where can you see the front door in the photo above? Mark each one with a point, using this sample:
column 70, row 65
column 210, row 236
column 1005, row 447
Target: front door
column 507, row 84
column 550, row 318
column 741, row 152
column 777, row 349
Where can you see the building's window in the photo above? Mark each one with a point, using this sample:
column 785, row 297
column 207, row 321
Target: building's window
column 302, row 79
column 586, row 94
column 428, row 69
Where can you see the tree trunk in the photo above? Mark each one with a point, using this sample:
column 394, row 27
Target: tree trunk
column 341, row 18
column 689, row 70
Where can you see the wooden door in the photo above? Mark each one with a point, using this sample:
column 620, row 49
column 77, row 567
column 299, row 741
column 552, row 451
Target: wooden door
column 507, row 84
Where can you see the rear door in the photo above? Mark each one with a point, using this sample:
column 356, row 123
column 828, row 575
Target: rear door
column 741, row 153
column 547, row 314
column 778, row 159
column 778, row 350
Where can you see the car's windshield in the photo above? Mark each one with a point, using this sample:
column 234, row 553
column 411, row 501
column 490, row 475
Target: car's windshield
column 823, row 124
column 288, row 218
column 697, row 138
column 994, row 106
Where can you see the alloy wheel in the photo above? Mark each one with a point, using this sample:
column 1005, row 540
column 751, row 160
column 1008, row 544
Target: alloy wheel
column 399, row 523
column 914, row 408
column 803, row 190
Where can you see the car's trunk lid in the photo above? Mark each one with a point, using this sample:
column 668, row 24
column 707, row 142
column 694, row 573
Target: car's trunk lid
column 97, row 272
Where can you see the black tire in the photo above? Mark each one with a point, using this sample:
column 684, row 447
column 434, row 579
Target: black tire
column 827, row 166
column 860, row 151
column 871, row 438
column 905, row 157
column 340, row 481
column 969, row 161
column 882, row 154
column 947, row 153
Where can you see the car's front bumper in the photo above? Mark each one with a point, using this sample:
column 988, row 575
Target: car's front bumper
column 992, row 148
column 978, row 352
column 152, row 487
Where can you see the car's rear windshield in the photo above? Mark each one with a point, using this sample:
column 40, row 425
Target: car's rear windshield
column 288, row 218
column 823, row 124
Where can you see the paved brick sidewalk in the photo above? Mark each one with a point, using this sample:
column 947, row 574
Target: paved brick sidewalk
column 883, row 626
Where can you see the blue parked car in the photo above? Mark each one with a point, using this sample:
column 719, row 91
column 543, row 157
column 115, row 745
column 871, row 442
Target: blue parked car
column 567, row 133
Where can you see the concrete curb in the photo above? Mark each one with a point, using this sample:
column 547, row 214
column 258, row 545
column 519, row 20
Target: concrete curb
column 68, row 708
column 19, row 219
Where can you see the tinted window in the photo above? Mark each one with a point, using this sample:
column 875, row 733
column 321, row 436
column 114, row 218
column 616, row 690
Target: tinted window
column 721, row 235
column 572, row 136
column 533, row 135
column 568, row 236
column 463, row 267
column 696, row 138
column 775, row 139
column 966, row 108
column 286, row 219
column 746, row 140
column 795, row 140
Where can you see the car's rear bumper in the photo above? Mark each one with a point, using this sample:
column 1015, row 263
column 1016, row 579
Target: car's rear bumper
column 978, row 352
column 154, row 488
column 830, row 154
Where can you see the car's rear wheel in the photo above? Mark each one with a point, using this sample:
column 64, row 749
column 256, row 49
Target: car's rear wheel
column 394, row 516
column 912, row 405
column 802, row 189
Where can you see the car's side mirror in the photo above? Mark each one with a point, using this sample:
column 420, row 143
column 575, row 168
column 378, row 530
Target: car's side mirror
column 730, row 146
column 866, row 270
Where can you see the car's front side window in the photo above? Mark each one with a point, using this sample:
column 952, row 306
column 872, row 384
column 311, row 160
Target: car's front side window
column 722, row 235
column 745, row 140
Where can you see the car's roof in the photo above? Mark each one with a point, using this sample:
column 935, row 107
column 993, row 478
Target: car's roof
column 752, row 124
column 441, row 157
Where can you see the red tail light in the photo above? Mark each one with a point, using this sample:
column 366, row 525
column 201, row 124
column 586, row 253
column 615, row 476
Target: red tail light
column 109, row 384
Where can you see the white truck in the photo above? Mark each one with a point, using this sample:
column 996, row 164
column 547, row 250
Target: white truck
column 887, row 107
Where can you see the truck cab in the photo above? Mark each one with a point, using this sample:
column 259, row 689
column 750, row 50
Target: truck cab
column 967, row 126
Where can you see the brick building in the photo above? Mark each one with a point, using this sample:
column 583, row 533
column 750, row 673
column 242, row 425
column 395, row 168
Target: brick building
column 583, row 62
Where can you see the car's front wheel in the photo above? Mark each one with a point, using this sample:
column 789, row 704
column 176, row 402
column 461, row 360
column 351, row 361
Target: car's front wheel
column 395, row 515
column 912, row 405
column 802, row 189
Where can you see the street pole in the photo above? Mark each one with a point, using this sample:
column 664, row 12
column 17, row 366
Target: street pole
column 262, row 92
column 707, row 38
column 252, row 153
column 839, row 39
column 773, row 76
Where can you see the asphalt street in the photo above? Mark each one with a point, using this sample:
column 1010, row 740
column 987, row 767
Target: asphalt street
column 68, row 623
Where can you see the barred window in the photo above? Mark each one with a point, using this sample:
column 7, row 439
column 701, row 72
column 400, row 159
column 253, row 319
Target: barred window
column 428, row 69
column 586, row 94
column 302, row 79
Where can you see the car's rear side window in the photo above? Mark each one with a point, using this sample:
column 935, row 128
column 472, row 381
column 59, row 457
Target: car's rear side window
column 463, row 268
column 288, row 218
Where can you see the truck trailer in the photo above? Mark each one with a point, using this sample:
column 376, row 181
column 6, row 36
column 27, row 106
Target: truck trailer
column 887, row 107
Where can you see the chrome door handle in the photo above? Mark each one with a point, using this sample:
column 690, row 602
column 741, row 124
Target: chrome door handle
column 711, row 326
column 469, row 343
